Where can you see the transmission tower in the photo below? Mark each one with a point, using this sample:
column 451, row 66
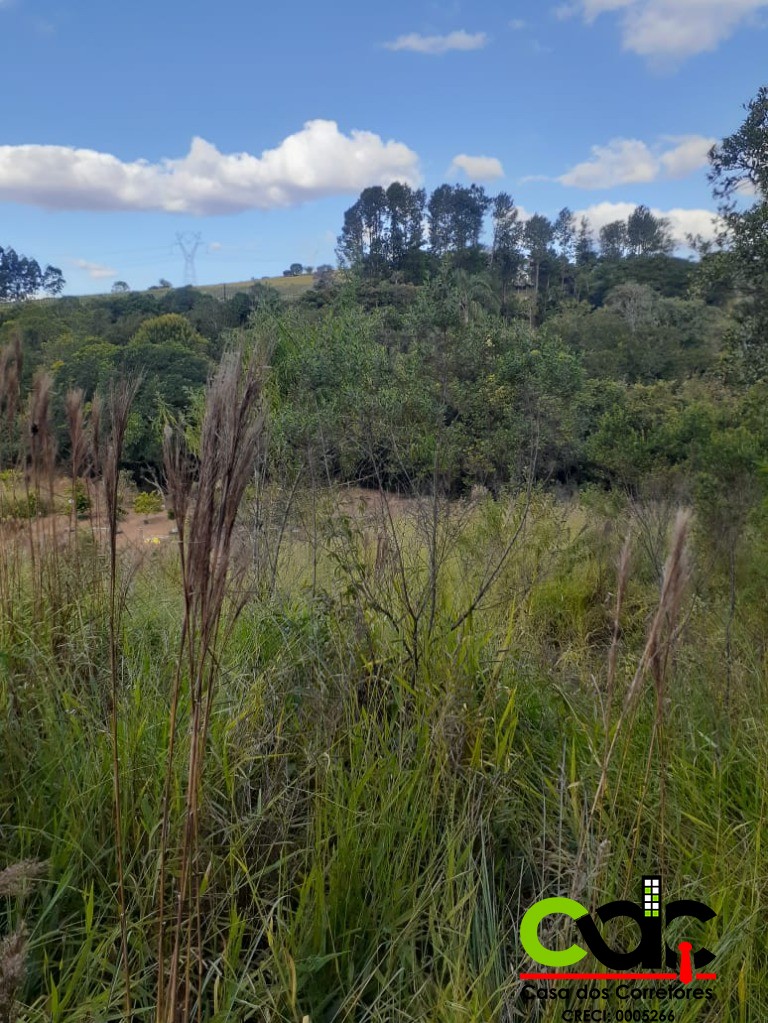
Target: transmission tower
column 189, row 244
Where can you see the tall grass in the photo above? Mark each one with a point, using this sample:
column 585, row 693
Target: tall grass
column 255, row 803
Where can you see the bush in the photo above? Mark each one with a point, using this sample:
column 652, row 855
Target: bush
column 148, row 503
column 18, row 506
column 81, row 499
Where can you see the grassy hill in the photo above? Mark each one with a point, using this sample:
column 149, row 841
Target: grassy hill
column 289, row 287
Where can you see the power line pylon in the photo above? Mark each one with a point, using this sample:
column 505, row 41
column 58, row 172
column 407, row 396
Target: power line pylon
column 189, row 244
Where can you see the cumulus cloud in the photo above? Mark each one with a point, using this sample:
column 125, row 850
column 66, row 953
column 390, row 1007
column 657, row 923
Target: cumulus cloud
column 317, row 161
column 478, row 168
column 437, row 45
column 674, row 29
column 682, row 222
column 621, row 162
column 687, row 156
column 97, row 271
column 631, row 161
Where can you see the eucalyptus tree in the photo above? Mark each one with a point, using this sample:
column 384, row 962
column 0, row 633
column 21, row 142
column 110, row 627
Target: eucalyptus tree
column 614, row 243
column 565, row 238
column 507, row 257
column 22, row 278
column 538, row 236
column 648, row 235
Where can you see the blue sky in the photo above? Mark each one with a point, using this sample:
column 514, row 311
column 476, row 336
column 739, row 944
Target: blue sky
column 257, row 125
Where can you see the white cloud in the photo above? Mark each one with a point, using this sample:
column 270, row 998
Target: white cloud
column 685, row 222
column 479, row 168
column 436, row 45
column 621, row 162
column 674, row 29
column 317, row 161
column 682, row 222
column 631, row 161
column 97, row 271
column 689, row 155
column 215, row 246
column 517, row 24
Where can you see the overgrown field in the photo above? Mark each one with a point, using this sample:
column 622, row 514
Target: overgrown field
column 400, row 758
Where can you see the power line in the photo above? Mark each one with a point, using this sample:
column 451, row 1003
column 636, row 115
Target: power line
column 189, row 244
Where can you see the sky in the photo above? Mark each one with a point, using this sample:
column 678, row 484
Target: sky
column 251, row 127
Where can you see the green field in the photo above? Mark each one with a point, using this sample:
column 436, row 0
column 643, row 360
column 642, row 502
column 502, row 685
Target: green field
column 289, row 287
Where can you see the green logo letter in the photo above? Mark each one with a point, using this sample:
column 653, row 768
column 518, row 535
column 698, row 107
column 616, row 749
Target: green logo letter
column 529, row 932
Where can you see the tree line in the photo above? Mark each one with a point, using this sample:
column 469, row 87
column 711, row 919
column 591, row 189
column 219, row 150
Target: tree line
column 393, row 229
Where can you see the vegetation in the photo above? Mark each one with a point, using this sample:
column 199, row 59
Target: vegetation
column 21, row 278
column 148, row 503
column 463, row 608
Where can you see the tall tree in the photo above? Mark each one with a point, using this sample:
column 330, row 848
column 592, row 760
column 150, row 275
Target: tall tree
column 350, row 245
column 648, row 235
column 506, row 254
column 585, row 245
column 440, row 210
column 538, row 238
column 738, row 172
column 373, row 208
column 585, row 257
column 613, row 240
column 456, row 219
column 469, row 208
column 383, row 231
column 564, row 234
column 22, row 278
column 405, row 233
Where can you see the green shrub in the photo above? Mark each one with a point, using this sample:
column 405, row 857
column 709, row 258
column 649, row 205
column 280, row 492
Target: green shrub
column 148, row 503
column 18, row 506
column 80, row 498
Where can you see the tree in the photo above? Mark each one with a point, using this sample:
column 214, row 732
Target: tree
column 405, row 212
column 613, row 240
column 506, row 254
column 739, row 169
column 294, row 270
column 22, row 278
column 362, row 244
column 456, row 215
column 170, row 329
column 565, row 238
column 440, row 211
column 373, row 209
column 383, row 233
column 350, row 245
column 538, row 237
column 564, row 235
column 469, row 208
column 585, row 245
column 120, row 288
column 635, row 303
column 648, row 235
